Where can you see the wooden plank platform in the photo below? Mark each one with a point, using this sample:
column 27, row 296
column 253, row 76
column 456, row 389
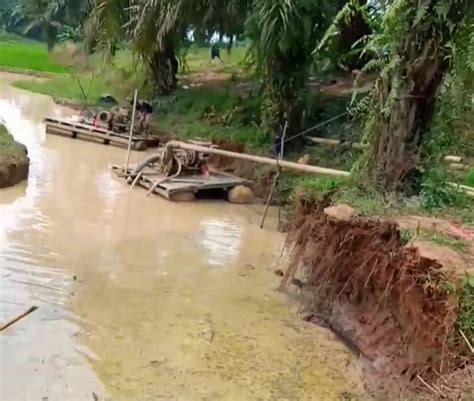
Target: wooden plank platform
column 196, row 184
column 76, row 129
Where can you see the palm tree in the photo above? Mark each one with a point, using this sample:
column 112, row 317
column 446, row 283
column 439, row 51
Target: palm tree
column 284, row 33
column 156, row 29
column 52, row 16
column 415, row 47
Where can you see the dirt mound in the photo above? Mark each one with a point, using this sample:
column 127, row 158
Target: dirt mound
column 224, row 163
column 13, row 173
column 14, row 161
column 386, row 301
column 261, row 176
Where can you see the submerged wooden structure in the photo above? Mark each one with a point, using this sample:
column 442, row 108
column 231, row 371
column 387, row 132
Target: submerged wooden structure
column 88, row 132
column 182, row 168
column 196, row 185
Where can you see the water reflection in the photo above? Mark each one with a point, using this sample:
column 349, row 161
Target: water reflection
column 222, row 238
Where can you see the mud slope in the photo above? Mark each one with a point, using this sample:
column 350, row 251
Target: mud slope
column 397, row 309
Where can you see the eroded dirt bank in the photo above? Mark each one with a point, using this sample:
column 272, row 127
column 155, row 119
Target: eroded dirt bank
column 397, row 309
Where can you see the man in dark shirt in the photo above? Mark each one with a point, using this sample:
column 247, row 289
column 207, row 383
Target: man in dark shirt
column 145, row 116
column 215, row 52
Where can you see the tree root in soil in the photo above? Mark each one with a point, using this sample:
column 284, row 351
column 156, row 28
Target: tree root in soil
column 397, row 309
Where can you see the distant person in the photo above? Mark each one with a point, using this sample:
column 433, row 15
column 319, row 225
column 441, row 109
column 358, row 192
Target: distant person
column 215, row 52
column 174, row 65
column 145, row 117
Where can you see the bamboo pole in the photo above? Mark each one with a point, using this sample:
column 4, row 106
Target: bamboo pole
column 129, row 149
column 324, row 141
column 277, row 176
column 453, row 159
column 469, row 191
column 465, row 187
column 19, row 317
column 458, row 167
column 260, row 159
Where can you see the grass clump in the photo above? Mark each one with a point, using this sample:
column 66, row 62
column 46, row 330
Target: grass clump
column 469, row 180
column 11, row 152
column 437, row 194
column 66, row 87
column 367, row 201
column 318, row 188
column 457, row 244
column 214, row 113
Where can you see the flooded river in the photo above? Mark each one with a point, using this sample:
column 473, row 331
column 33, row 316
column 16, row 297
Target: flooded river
column 139, row 298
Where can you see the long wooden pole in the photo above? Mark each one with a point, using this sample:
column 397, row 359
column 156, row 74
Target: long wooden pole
column 324, row 141
column 453, row 159
column 260, row 159
column 469, row 191
column 277, row 176
column 19, row 317
column 86, row 104
column 129, row 150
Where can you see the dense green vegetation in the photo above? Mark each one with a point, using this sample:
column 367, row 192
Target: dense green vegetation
column 119, row 79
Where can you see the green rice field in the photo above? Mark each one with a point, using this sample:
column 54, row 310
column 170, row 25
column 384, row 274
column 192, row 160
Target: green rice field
column 29, row 56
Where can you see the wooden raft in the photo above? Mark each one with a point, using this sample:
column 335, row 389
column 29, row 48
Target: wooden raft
column 75, row 129
column 195, row 184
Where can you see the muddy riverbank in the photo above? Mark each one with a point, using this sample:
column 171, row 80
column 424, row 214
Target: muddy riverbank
column 142, row 299
column 401, row 310
column 14, row 161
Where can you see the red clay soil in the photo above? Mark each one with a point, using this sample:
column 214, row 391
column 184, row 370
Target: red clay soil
column 262, row 177
column 388, row 303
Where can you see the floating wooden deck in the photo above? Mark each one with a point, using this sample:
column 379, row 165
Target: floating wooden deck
column 75, row 129
column 170, row 187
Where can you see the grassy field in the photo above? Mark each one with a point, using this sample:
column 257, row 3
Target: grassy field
column 65, row 87
column 120, row 79
column 66, row 69
column 30, row 56
column 199, row 59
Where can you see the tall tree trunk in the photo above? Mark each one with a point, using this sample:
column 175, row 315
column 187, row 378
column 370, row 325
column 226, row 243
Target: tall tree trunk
column 284, row 88
column 399, row 135
column 402, row 117
column 164, row 68
column 230, row 44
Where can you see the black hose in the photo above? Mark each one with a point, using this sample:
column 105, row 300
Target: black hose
column 150, row 159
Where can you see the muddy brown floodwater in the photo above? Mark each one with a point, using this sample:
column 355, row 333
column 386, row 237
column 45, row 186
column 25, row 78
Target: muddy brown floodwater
column 142, row 299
